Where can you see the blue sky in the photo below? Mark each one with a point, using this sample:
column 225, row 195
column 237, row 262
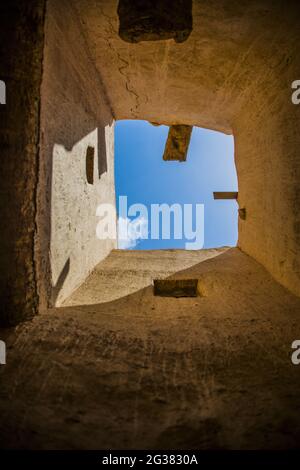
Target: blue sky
column 143, row 176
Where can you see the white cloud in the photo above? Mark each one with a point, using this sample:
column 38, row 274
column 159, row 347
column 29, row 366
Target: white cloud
column 130, row 232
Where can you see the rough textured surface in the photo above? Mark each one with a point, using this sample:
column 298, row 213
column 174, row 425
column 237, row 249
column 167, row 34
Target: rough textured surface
column 152, row 20
column 75, row 115
column 152, row 372
column 116, row 366
column 177, row 144
column 233, row 74
column 21, row 50
column 125, row 272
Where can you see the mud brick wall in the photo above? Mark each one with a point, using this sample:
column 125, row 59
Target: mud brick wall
column 21, row 51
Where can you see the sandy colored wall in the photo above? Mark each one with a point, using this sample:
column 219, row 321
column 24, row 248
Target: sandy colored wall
column 233, row 74
column 21, row 52
column 267, row 142
column 75, row 115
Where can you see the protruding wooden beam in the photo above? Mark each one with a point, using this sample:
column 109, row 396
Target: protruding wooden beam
column 177, row 144
column 242, row 213
column 225, row 194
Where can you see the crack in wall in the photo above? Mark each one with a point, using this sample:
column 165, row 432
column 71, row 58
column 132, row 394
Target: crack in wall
column 92, row 61
column 128, row 84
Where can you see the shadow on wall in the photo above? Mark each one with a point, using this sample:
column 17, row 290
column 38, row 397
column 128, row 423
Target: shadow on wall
column 185, row 367
column 60, row 282
column 169, row 352
column 100, row 150
column 124, row 273
column 67, row 250
column 80, row 182
column 75, row 114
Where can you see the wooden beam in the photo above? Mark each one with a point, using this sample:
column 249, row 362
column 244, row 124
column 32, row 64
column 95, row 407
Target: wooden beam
column 225, row 195
column 177, row 144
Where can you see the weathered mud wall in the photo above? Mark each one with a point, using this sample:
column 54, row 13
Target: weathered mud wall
column 267, row 144
column 21, row 51
column 233, row 74
column 211, row 372
column 76, row 125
